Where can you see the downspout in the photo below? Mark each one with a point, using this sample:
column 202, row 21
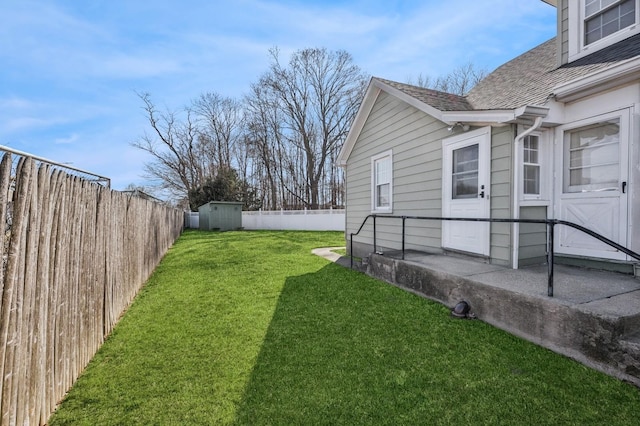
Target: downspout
column 515, row 228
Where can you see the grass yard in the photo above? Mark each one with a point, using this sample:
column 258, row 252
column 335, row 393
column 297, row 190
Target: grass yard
column 250, row 328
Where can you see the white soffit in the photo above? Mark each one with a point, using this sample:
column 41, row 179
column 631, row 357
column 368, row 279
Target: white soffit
column 614, row 76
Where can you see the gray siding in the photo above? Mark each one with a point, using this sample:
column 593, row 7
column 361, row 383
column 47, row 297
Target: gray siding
column 501, row 190
column 415, row 139
column 563, row 31
column 533, row 237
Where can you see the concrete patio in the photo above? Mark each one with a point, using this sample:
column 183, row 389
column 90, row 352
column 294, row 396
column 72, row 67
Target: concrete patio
column 593, row 316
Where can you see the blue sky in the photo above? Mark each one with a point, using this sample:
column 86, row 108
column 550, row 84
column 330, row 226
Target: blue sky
column 70, row 69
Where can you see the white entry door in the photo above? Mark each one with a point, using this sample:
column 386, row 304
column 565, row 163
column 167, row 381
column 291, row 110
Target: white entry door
column 465, row 191
column 591, row 188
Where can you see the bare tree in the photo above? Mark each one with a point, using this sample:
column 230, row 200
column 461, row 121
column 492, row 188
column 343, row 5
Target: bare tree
column 193, row 146
column 264, row 143
column 223, row 122
column 180, row 158
column 317, row 95
column 284, row 139
column 458, row 82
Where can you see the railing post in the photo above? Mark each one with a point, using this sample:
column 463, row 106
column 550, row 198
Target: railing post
column 550, row 225
column 351, row 249
column 375, row 248
column 404, row 218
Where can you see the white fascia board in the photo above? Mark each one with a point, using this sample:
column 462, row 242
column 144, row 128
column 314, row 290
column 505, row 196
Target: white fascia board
column 496, row 117
column 614, row 76
column 410, row 100
column 370, row 97
column 358, row 123
column 493, row 116
column 553, row 3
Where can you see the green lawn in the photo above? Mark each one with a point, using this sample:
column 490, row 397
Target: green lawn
column 250, row 328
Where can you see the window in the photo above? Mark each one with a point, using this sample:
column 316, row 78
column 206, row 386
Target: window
column 531, row 166
column 464, row 176
column 382, row 182
column 592, row 157
column 606, row 17
column 596, row 24
column 534, row 168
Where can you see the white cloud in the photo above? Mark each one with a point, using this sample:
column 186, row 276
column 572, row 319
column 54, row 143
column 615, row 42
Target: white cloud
column 67, row 140
column 71, row 69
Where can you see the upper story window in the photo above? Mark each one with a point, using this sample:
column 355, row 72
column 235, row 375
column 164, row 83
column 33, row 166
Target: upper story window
column 382, row 182
column 606, row 17
column 595, row 24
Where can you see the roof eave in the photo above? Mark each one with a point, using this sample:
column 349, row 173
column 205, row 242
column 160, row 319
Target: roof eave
column 477, row 117
column 358, row 122
column 414, row 102
column 487, row 117
column 375, row 86
column 496, row 117
column 617, row 75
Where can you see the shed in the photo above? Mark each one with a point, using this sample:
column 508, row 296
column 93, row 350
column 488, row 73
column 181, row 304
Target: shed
column 220, row 215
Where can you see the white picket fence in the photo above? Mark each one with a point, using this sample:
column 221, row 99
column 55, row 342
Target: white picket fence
column 301, row 220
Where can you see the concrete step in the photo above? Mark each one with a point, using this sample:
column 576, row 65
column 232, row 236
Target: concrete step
column 630, row 354
column 594, row 317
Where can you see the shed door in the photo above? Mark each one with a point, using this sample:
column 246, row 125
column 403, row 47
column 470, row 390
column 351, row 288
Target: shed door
column 466, row 162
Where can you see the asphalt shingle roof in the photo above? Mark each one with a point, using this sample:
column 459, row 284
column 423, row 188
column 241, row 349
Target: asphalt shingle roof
column 528, row 79
column 440, row 100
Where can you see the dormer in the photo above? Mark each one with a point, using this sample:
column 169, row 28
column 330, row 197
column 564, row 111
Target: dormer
column 586, row 26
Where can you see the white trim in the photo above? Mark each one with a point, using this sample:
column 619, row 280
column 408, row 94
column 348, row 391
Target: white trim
column 624, row 114
column 515, row 227
column 577, row 48
column 374, row 159
column 477, row 118
column 433, row 112
column 366, row 106
column 614, row 76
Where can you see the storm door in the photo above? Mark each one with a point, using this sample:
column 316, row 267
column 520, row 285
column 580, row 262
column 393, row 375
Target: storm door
column 592, row 188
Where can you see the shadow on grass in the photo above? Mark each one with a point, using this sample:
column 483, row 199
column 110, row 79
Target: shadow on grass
column 343, row 348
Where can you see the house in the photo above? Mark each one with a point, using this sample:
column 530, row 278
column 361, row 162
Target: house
column 552, row 134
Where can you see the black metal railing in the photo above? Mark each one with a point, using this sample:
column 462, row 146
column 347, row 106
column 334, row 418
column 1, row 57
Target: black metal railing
column 550, row 223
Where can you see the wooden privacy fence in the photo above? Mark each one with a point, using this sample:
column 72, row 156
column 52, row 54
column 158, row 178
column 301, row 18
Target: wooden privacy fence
column 74, row 254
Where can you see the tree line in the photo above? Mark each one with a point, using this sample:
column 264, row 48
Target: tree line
column 275, row 148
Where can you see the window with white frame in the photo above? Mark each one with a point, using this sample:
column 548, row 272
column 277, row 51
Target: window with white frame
column 594, row 24
column 534, row 174
column 592, row 157
column 531, row 176
column 605, row 17
column 382, row 182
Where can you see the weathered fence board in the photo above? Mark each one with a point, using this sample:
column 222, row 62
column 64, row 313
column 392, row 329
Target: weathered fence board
column 73, row 255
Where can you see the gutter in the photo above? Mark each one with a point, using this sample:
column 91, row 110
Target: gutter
column 621, row 73
column 515, row 228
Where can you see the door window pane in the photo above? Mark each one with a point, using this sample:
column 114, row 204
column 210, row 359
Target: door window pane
column 592, row 158
column 464, row 179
